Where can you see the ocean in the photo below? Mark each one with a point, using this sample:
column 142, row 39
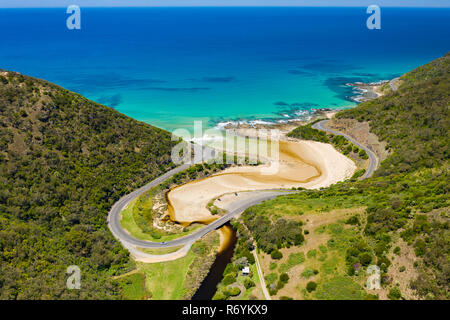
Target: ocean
column 171, row 66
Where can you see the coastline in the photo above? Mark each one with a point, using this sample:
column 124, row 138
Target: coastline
column 361, row 92
column 305, row 164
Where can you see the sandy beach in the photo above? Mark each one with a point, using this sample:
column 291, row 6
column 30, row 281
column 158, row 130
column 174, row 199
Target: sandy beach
column 304, row 164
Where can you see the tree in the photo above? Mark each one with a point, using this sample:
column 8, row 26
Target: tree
column 365, row 258
column 311, row 286
column 248, row 283
column 276, row 254
column 284, row 277
column 229, row 279
column 394, row 293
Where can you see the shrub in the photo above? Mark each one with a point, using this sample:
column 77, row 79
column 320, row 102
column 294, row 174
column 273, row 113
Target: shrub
column 273, row 291
column 276, row 254
column 280, row 285
column 233, row 291
column 365, row 258
column 311, row 253
column 284, row 277
column 363, row 154
column 229, row 279
column 271, row 277
column 248, row 283
column 394, row 293
column 353, row 220
column 230, row 268
column 419, row 247
column 220, row 296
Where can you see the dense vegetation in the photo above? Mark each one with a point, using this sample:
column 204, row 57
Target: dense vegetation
column 306, row 132
column 414, row 121
column 272, row 235
column 64, row 161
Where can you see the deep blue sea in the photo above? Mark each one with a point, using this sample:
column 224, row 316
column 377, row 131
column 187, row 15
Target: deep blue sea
column 170, row 66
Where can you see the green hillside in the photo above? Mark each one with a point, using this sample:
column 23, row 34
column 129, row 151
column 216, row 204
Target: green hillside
column 64, row 160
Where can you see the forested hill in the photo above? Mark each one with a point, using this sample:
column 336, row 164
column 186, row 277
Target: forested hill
column 408, row 196
column 414, row 120
column 64, row 160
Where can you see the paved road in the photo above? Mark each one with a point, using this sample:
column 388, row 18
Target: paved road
column 238, row 207
column 373, row 161
column 127, row 239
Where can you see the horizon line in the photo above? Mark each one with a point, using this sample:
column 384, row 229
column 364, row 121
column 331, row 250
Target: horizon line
column 228, row 6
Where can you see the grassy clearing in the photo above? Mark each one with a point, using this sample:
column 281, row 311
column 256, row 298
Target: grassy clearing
column 321, row 260
column 166, row 280
column 160, row 251
column 293, row 260
column 294, row 206
column 340, row 288
column 172, row 280
column 133, row 287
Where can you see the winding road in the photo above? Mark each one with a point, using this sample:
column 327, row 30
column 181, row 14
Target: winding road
column 126, row 238
column 132, row 244
column 373, row 160
column 236, row 208
column 392, row 84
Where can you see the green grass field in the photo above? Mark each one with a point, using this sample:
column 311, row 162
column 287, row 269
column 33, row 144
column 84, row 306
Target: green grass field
column 171, row 280
column 293, row 260
column 340, row 288
column 166, row 280
column 160, row 251
column 292, row 205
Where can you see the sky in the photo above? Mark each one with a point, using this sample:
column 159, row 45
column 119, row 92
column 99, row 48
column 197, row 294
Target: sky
column 175, row 3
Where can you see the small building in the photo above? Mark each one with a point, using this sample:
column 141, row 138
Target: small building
column 245, row 271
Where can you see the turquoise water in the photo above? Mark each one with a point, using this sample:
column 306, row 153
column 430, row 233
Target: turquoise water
column 171, row 66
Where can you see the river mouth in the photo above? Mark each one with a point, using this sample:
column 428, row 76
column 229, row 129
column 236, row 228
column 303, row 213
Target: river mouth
column 295, row 166
column 208, row 287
